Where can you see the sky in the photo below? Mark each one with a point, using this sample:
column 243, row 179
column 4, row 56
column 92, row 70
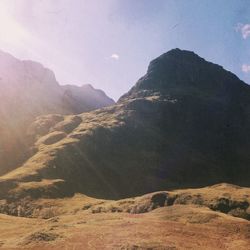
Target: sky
column 109, row 43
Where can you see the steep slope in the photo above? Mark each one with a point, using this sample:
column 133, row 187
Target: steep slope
column 28, row 90
column 184, row 124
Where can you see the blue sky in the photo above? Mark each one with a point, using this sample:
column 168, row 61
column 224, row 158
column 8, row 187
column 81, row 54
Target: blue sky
column 109, row 43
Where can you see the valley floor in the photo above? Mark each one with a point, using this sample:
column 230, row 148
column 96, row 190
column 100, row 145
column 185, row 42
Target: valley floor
column 146, row 222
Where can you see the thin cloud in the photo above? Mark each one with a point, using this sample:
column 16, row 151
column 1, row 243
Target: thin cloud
column 245, row 68
column 244, row 29
column 115, row 56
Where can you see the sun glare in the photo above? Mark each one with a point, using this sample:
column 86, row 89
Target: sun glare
column 11, row 32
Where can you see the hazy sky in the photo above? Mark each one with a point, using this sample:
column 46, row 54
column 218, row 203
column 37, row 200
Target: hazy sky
column 109, row 43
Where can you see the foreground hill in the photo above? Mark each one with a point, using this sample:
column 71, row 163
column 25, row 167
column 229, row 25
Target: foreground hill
column 185, row 123
column 28, row 90
column 180, row 219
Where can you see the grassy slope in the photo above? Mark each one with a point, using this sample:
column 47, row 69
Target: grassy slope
column 103, row 154
column 50, row 134
column 82, row 222
column 66, row 148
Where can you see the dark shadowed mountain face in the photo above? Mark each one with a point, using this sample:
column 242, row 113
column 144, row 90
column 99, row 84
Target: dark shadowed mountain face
column 180, row 72
column 185, row 123
column 203, row 116
column 28, row 90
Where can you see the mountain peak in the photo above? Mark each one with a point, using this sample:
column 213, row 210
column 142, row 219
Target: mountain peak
column 178, row 55
column 184, row 71
column 87, row 86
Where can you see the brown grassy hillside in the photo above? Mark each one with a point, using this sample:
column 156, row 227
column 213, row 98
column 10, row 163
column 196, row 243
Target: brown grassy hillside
column 180, row 219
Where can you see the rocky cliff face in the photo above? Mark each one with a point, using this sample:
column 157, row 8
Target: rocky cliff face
column 185, row 123
column 27, row 90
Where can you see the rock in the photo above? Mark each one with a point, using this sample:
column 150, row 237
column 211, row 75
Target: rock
column 40, row 237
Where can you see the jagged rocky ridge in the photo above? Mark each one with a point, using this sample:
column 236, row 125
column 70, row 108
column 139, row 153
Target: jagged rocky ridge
column 184, row 124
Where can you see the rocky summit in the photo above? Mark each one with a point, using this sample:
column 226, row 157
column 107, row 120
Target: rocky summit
column 184, row 124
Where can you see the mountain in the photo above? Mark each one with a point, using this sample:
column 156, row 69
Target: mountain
column 86, row 98
column 184, row 124
column 27, row 90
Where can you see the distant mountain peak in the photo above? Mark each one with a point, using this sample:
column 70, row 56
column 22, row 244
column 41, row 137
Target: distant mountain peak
column 87, row 97
column 87, row 86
